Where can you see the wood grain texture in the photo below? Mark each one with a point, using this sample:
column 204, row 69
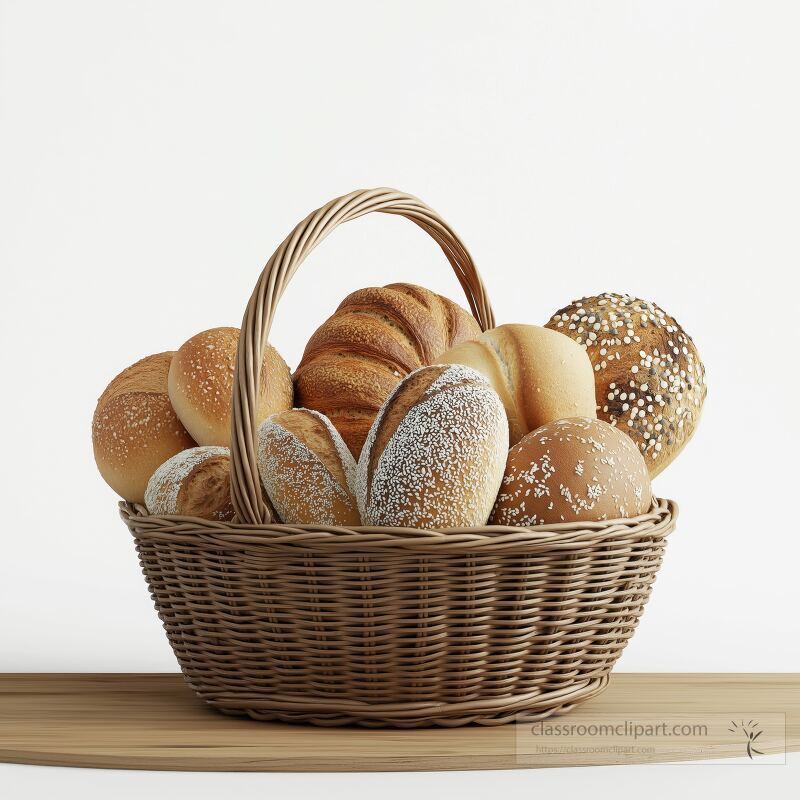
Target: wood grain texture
column 154, row 721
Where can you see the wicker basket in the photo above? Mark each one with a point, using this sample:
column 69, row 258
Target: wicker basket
column 388, row 626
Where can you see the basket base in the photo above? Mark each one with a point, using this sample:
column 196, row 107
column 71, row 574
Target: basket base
column 500, row 711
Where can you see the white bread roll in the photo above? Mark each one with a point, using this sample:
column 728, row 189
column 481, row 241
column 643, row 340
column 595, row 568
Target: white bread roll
column 572, row 470
column 540, row 375
column 649, row 379
column 435, row 454
column 194, row 483
column 134, row 428
column 306, row 469
column 201, row 385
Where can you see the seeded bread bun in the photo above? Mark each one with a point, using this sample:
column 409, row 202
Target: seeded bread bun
column 193, row 483
column 649, row 380
column 373, row 340
column 540, row 375
column 201, row 385
column 134, row 428
column 434, row 455
column 572, row 470
column 306, row 469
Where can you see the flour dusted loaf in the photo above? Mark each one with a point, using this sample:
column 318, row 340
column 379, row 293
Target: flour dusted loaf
column 649, row 379
column 435, row 453
column 201, row 385
column 540, row 375
column 374, row 339
column 573, row 470
column 306, row 469
column 134, row 428
column 193, row 483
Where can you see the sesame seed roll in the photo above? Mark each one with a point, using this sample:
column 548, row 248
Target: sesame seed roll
column 649, row 380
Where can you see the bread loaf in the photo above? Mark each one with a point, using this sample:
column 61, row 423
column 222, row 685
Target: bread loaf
column 134, row 428
column 201, row 385
column 374, row 339
column 572, row 470
column 435, row 453
column 193, row 483
column 649, row 380
column 540, row 375
column 306, row 469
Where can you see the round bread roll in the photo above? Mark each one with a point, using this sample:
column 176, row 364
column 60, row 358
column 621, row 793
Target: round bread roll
column 572, row 470
column 374, row 339
column 201, row 385
column 134, row 428
column 540, row 375
column 649, row 379
column 194, row 483
column 434, row 455
column 306, row 469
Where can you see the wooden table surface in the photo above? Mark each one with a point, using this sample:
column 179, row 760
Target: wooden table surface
column 153, row 721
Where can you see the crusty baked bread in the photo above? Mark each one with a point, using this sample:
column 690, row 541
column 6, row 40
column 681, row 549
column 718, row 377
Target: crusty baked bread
column 573, row 470
column 193, row 483
column 649, row 379
column 306, row 469
column 373, row 340
column 540, row 375
column 134, row 428
column 435, row 454
column 201, row 384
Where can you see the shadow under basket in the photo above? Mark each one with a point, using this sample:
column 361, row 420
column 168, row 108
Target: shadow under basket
column 388, row 626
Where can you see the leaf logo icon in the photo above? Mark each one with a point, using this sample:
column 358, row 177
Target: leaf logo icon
column 750, row 731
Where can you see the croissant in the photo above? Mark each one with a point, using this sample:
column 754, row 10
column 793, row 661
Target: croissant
column 376, row 337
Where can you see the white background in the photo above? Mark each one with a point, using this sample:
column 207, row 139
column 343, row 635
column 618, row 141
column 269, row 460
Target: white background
column 154, row 154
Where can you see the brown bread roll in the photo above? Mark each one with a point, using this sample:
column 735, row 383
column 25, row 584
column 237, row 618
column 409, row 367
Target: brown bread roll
column 540, row 375
column 374, row 339
column 201, row 384
column 306, row 469
column 434, row 456
column 649, row 380
column 134, row 428
column 572, row 470
column 193, row 483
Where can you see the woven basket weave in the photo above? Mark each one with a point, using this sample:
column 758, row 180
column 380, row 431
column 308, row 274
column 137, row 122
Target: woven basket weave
column 388, row 626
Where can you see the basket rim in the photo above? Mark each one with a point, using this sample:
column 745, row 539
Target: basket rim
column 656, row 523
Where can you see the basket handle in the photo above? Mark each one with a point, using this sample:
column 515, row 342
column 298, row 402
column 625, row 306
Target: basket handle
column 246, row 494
